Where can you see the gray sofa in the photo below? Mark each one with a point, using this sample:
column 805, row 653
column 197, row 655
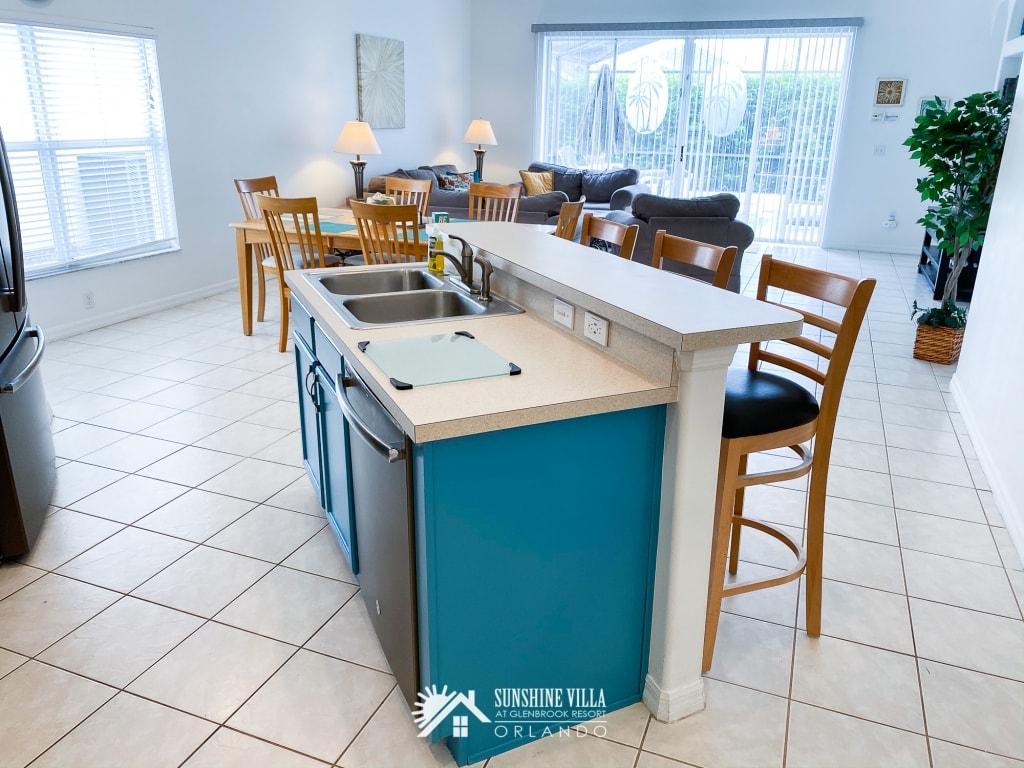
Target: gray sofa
column 707, row 219
column 533, row 209
column 604, row 190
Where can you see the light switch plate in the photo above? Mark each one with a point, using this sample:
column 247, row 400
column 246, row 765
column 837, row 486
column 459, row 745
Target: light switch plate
column 565, row 313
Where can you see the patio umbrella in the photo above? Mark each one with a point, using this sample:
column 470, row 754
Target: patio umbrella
column 601, row 132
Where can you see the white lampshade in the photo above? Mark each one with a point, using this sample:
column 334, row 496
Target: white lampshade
column 480, row 132
column 357, row 139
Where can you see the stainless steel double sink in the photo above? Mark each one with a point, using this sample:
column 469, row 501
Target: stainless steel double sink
column 377, row 297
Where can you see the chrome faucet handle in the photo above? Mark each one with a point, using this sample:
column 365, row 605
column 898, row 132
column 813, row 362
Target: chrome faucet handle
column 467, row 258
column 485, row 277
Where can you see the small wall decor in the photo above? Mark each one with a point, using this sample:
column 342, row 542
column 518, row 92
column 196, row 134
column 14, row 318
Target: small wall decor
column 890, row 92
column 380, row 70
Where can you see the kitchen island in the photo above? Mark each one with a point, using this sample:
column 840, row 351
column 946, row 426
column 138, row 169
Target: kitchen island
column 560, row 520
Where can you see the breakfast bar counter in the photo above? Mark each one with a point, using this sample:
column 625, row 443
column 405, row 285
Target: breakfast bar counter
column 561, row 519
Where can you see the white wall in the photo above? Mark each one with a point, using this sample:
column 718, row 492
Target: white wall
column 253, row 88
column 944, row 47
column 987, row 382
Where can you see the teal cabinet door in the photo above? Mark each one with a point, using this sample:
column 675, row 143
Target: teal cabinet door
column 535, row 562
column 309, row 414
column 337, row 471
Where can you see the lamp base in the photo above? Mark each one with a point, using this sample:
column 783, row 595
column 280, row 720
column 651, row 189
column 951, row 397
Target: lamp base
column 357, row 169
column 480, row 152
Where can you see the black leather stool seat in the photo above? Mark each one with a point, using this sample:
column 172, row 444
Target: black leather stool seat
column 758, row 403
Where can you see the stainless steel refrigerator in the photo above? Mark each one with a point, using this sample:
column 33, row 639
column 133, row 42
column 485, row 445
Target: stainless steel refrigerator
column 27, row 471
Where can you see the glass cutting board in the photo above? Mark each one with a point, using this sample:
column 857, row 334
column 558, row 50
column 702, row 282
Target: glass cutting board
column 436, row 359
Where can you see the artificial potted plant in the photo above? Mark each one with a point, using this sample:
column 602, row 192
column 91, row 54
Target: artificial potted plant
column 960, row 147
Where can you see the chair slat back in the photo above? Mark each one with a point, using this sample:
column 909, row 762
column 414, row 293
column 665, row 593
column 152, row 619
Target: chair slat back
column 716, row 259
column 409, row 192
column 294, row 228
column 388, row 234
column 596, row 228
column 249, row 188
column 568, row 217
column 850, row 294
column 494, row 202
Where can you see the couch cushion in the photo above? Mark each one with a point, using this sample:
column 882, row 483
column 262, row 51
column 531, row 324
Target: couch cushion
column 439, row 170
column 599, row 185
column 648, row 207
column 568, row 180
column 538, row 182
column 549, row 203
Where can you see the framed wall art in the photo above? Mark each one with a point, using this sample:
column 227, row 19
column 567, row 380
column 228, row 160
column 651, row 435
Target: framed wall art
column 942, row 101
column 380, row 72
column 890, row 92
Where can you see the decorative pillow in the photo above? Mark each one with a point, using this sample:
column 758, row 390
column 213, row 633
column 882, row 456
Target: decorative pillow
column 458, row 181
column 568, row 180
column 538, row 182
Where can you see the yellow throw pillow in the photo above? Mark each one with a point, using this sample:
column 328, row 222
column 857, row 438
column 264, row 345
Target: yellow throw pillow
column 538, row 182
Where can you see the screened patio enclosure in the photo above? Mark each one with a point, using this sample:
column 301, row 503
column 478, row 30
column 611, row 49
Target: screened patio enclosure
column 700, row 110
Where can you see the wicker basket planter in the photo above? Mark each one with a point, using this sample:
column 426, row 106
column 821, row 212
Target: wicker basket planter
column 938, row 345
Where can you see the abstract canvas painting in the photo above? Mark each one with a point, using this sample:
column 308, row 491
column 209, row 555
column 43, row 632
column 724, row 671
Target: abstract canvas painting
column 380, row 69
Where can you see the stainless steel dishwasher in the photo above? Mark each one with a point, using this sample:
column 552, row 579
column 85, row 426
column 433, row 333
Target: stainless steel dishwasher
column 379, row 451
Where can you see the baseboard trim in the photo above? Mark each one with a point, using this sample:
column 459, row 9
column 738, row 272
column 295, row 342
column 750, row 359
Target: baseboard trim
column 669, row 706
column 1013, row 516
column 91, row 323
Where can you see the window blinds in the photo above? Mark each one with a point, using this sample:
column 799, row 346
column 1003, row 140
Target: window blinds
column 83, row 121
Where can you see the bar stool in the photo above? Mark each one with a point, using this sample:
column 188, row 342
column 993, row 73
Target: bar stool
column 766, row 411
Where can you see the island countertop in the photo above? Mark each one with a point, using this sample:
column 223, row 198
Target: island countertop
column 563, row 376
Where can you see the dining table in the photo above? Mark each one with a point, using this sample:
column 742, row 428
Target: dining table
column 337, row 225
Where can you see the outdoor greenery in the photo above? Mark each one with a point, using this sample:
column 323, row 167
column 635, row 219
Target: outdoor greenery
column 782, row 134
column 960, row 147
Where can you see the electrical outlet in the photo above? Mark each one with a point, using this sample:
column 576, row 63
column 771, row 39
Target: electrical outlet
column 90, row 302
column 565, row 313
column 595, row 328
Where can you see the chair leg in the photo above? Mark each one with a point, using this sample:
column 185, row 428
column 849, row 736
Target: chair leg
column 815, row 543
column 737, row 511
column 728, row 471
column 282, row 346
column 261, row 290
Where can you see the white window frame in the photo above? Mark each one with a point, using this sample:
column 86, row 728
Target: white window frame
column 94, row 199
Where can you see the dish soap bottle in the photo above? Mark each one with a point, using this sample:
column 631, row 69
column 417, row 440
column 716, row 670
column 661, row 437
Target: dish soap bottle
column 435, row 261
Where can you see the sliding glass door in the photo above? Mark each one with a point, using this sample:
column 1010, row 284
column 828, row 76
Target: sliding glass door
column 751, row 112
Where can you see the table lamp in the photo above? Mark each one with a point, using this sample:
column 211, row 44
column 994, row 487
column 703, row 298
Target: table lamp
column 357, row 139
column 480, row 133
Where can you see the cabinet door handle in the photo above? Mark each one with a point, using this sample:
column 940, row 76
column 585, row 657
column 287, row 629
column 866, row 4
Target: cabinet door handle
column 391, row 451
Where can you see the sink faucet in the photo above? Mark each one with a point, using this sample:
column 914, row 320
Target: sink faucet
column 465, row 269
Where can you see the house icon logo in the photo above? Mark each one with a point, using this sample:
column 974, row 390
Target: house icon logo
column 434, row 707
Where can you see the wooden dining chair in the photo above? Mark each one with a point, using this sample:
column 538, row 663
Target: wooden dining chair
column 715, row 259
column 294, row 229
column 388, row 233
column 247, row 191
column 767, row 411
column 568, row 218
column 409, row 192
column 494, row 202
column 604, row 235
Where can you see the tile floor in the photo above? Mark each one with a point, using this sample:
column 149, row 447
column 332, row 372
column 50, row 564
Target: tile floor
column 186, row 604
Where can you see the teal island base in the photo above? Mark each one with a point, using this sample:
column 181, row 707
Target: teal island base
column 535, row 552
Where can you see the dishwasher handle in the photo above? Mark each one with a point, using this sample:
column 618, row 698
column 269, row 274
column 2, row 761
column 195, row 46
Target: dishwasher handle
column 393, row 452
column 12, row 386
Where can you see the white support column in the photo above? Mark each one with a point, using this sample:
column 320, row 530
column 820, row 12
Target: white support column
column 693, row 433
